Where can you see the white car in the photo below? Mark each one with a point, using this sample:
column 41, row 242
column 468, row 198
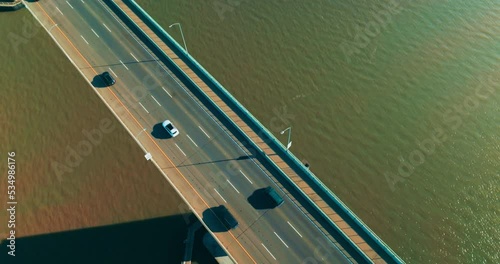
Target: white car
column 171, row 129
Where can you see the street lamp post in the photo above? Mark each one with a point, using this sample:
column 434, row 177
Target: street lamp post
column 289, row 144
column 182, row 34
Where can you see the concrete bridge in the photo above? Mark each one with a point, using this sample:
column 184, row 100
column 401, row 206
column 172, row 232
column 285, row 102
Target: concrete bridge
column 223, row 155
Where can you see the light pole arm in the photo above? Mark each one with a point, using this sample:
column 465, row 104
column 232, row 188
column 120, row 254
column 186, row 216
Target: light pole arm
column 182, row 35
column 183, row 40
column 289, row 137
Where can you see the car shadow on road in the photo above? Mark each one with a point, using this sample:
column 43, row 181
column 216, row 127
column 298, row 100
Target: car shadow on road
column 260, row 200
column 159, row 132
column 212, row 217
column 98, row 82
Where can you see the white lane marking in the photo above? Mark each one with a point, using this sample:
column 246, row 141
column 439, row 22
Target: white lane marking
column 134, row 57
column 204, row 132
column 94, row 32
column 69, row 5
column 220, row 195
column 192, row 140
column 294, row 228
column 59, row 10
column 246, row 177
column 155, row 100
column 113, row 72
column 106, row 27
column 144, row 108
column 233, row 186
column 123, row 64
column 268, row 251
column 180, row 149
column 166, row 91
column 84, row 39
column 281, row 240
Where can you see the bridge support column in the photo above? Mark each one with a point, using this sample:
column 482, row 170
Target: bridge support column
column 188, row 253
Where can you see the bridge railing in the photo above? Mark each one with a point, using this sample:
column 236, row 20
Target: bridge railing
column 272, row 139
column 11, row 5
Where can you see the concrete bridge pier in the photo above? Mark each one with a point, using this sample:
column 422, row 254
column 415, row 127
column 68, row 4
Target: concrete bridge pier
column 188, row 253
column 216, row 250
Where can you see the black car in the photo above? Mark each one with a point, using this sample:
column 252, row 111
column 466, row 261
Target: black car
column 227, row 218
column 108, row 79
column 275, row 198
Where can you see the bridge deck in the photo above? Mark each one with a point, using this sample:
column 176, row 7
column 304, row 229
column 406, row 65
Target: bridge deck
column 328, row 211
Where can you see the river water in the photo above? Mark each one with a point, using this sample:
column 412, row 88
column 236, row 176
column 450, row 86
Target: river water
column 394, row 104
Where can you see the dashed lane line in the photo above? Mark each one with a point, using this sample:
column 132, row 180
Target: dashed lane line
column 84, row 39
column 294, row 228
column 113, row 72
column 134, row 57
column 106, row 27
column 204, row 132
column 268, row 251
column 155, row 100
column 123, row 64
column 281, row 240
column 246, row 177
column 192, row 140
column 220, row 195
column 144, row 108
column 233, row 186
column 166, row 91
column 94, row 32
column 180, row 149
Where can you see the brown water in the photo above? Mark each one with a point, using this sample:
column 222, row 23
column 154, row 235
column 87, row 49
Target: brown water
column 112, row 204
column 394, row 104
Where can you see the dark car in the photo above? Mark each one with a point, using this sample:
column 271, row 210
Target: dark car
column 108, row 79
column 275, row 198
column 227, row 218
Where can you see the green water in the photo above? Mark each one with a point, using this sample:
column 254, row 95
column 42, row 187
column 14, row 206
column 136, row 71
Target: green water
column 370, row 87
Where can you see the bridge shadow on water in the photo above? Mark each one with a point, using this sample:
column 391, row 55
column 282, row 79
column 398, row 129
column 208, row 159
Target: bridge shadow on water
column 157, row 240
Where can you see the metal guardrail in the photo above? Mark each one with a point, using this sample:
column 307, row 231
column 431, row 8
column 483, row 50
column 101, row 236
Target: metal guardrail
column 12, row 5
column 335, row 199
